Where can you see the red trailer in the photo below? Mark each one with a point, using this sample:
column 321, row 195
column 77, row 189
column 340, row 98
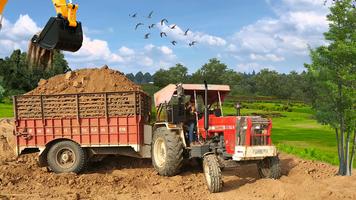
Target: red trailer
column 69, row 129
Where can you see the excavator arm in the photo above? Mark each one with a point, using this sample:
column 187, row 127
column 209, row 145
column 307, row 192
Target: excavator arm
column 62, row 32
column 67, row 11
column 2, row 6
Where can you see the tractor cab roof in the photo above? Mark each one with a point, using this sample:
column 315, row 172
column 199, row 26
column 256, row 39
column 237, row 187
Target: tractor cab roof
column 165, row 94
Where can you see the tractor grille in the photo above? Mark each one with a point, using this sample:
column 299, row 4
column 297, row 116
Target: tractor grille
column 254, row 131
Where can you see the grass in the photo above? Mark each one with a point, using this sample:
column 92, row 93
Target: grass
column 6, row 109
column 301, row 135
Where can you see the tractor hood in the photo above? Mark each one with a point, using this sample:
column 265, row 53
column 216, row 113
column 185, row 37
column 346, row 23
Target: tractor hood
column 165, row 94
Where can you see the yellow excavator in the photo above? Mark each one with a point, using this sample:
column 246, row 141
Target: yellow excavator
column 62, row 32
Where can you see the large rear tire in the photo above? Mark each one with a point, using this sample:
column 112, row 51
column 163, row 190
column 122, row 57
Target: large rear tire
column 167, row 152
column 212, row 173
column 269, row 168
column 66, row 156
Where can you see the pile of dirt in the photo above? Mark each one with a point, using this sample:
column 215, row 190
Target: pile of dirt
column 7, row 140
column 132, row 178
column 86, row 81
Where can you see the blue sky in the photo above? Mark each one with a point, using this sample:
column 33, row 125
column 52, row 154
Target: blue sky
column 246, row 35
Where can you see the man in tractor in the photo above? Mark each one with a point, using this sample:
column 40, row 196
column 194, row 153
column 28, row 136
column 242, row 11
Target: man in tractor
column 191, row 121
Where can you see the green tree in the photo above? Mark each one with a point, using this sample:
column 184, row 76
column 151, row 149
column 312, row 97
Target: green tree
column 333, row 73
column 19, row 78
column 176, row 74
column 2, row 90
column 267, row 82
column 213, row 72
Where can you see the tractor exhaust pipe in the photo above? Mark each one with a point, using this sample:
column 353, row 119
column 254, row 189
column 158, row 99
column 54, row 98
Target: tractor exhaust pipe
column 206, row 111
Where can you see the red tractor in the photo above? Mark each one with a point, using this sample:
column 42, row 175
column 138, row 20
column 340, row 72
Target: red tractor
column 220, row 141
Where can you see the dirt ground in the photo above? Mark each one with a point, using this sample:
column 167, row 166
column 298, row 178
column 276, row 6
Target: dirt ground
column 130, row 178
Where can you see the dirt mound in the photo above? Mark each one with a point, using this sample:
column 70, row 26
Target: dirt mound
column 86, row 81
column 132, row 178
column 7, row 140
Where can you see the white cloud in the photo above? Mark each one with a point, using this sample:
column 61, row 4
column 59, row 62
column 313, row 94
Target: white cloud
column 266, row 57
column 303, row 4
column 164, row 55
column 166, row 50
column 94, row 50
column 298, row 24
column 304, row 21
column 202, row 38
column 126, row 51
column 97, row 52
column 149, row 47
column 17, row 35
column 146, row 61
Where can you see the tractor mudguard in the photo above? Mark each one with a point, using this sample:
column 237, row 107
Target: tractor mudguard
column 57, row 34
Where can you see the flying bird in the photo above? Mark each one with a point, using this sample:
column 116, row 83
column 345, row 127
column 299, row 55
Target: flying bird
column 163, row 20
column 133, row 15
column 137, row 25
column 192, row 43
column 151, row 26
column 147, row 35
column 186, row 32
column 150, row 15
column 174, row 43
column 163, row 34
column 174, row 26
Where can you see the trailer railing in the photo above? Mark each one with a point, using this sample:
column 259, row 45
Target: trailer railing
column 84, row 105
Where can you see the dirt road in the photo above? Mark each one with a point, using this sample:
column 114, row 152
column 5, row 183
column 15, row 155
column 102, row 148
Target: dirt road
column 128, row 178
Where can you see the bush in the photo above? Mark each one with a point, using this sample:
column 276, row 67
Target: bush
column 2, row 92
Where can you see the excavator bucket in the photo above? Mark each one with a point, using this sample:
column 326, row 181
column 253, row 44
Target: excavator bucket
column 58, row 35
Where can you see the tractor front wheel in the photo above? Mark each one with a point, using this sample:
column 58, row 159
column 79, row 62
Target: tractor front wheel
column 212, row 173
column 269, row 168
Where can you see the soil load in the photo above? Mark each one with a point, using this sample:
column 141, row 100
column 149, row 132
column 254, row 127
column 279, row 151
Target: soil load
column 85, row 81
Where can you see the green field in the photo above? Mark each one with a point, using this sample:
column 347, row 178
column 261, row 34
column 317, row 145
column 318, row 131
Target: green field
column 295, row 131
column 6, row 109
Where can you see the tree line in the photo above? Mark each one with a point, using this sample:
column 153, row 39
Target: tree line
column 267, row 82
column 17, row 77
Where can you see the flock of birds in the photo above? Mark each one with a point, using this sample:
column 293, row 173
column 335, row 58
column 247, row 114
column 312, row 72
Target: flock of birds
column 162, row 33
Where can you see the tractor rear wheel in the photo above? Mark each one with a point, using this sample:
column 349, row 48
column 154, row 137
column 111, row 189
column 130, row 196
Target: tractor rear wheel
column 269, row 168
column 167, row 152
column 66, row 156
column 212, row 173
